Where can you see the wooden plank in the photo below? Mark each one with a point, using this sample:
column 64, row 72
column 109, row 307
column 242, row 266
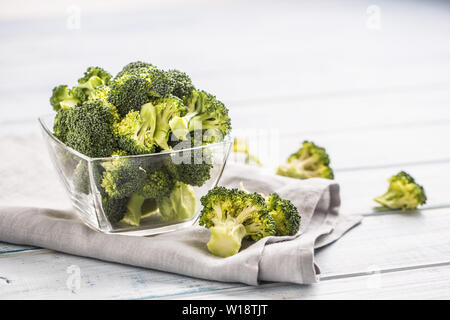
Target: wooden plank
column 381, row 243
column 423, row 283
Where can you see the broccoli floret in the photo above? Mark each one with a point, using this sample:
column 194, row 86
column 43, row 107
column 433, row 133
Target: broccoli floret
column 232, row 215
column 197, row 170
column 89, row 129
column 158, row 184
column 135, row 68
column 403, row 193
column 204, row 113
column 62, row 98
column 179, row 205
column 114, row 208
column 101, row 94
column 129, row 93
column 93, row 77
column 122, row 177
column 308, row 162
column 80, row 177
column 162, row 85
column 135, row 133
column 61, row 124
column 166, row 109
column 183, row 86
column 285, row 215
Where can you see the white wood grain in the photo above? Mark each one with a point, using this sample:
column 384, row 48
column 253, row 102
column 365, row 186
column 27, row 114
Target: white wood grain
column 395, row 241
column 428, row 283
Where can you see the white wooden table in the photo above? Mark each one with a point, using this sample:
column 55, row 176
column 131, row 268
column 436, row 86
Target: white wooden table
column 368, row 80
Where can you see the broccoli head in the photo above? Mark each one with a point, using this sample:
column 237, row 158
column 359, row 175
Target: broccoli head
column 114, row 208
column 308, row 162
column 90, row 129
column 135, row 133
column 166, row 109
column 101, row 94
column 122, row 177
column 195, row 169
column 232, row 215
column 285, row 215
column 135, row 68
column 158, row 183
column 403, row 193
column 204, row 113
column 62, row 98
column 93, row 77
column 129, row 93
column 179, row 205
column 183, row 86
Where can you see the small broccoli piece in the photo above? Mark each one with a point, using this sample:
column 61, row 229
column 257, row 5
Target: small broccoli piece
column 403, row 193
column 232, row 215
column 101, row 94
column 114, row 208
column 129, row 93
column 158, row 184
column 62, row 98
column 122, row 177
column 135, row 133
column 162, row 85
column 197, row 170
column 183, row 86
column 89, row 130
column 204, row 113
column 179, row 205
column 80, row 177
column 308, row 162
column 93, row 77
column 285, row 215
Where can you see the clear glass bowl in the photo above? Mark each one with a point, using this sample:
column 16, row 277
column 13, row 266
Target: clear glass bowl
column 82, row 176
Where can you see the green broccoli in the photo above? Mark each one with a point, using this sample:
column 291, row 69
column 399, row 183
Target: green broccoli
column 403, row 193
column 166, row 109
column 122, row 177
column 129, row 93
column 195, row 166
column 179, row 205
column 232, row 215
column 308, row 162
column 162, row 85
column 101, row 94
column 114, row 208
column 135, row 68
column 204, row 113
column 285, row 215
column 61, row 124
column 135, row 133
column 89, row 129
column 157, row 185
column 62, row 98
column 183, row 86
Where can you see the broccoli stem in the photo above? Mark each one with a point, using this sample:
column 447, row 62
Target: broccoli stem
column 134, row 210
column 226, row 239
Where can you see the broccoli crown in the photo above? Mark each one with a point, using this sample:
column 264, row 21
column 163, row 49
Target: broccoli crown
column 114, row 208
column 122, row 177
column 129, row 92
column 89, row 129
column 403, row 193
column 308, row 162
column 204, row 113
column 62, row 98
column 183, row 86
column 94, row 77
column 285, row 215
column 162, row 85
column 135, row 68
column 232, row 215
column 158, row 184
column 195, row 167
column 135, row 133
column 80, row 178
column 101, row 94
column 180, row 204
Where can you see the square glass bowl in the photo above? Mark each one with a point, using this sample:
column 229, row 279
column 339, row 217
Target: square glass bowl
column 83, row 177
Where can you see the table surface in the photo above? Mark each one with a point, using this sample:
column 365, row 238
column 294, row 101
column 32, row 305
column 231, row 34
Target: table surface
column 368, row 82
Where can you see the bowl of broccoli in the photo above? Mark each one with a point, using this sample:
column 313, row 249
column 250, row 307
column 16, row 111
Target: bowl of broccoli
column 136, row 152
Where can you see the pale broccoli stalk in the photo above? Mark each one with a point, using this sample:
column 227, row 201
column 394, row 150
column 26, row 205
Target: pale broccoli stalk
column 180, row 205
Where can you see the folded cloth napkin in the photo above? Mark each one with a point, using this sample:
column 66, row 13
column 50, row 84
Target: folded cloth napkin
column 283, row 259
